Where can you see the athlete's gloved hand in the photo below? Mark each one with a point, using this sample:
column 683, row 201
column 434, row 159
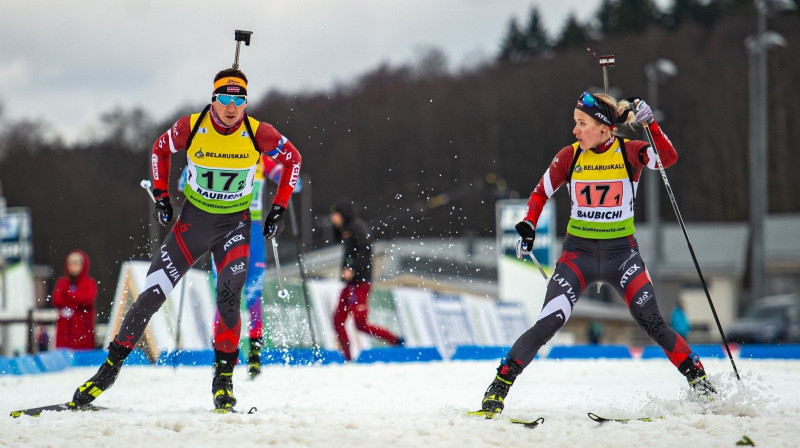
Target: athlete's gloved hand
column 273, row 223
column 527, row 233
column 644, row 114
column 163, row 211
column 522, row 249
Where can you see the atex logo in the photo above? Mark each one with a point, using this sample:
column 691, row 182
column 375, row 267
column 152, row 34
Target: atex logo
column 295, row 176
column 237, row 237
column 627, row 275
column 238, row 268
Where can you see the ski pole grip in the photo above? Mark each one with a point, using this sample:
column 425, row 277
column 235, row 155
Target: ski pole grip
column 146, row 185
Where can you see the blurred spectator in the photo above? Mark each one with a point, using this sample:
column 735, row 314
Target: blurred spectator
column 357, row 274
column 74, row 296
column 43, row 339
column 595, row 331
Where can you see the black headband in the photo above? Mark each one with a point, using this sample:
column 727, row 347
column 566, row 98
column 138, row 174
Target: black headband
column 601, row 112
column 231, row 90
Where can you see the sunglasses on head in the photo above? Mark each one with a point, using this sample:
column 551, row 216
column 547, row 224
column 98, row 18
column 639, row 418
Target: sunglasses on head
column 588, row 100
column 225, row 100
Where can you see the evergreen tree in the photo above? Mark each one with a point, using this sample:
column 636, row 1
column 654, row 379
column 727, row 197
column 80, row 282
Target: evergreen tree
column 519, row 45
column 573, row 34
column 513, row 47
column 698, row 11
column 618, row 17
column 536, row 40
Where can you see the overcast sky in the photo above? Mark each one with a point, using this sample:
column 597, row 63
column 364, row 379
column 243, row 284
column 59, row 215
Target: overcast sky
column 66, row 62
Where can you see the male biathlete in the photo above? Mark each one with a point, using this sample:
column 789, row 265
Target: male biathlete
column 222, row 146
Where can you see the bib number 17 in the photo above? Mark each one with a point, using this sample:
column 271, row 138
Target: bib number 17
column 223, row 181
column 597, row 194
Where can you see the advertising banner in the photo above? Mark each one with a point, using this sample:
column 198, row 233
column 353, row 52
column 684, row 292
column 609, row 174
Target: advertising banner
column 16, row 276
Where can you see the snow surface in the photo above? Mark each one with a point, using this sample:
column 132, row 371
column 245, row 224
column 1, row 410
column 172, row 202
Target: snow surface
column 412, row 405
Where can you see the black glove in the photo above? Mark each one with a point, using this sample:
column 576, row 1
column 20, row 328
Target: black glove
column 163, row 211
column 273, row 223
column 527, row 233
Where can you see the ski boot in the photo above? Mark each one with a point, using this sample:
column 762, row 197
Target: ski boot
column 104, row 378
column 254, row 359
column 493, row 399
column 222, row 384
column 693, row 370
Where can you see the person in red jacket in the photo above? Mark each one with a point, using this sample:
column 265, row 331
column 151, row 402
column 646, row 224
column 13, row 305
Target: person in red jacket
column 74, row 296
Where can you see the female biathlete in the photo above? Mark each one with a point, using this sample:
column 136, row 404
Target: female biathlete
column 601, row 171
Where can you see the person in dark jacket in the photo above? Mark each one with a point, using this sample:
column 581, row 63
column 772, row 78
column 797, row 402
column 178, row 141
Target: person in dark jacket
column 357, row 274
column 74, row 296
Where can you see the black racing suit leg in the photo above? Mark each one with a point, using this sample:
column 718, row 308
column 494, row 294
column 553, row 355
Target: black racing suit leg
column 186, row 242
column 623, row 268
column 231, row 249
column 576, row 268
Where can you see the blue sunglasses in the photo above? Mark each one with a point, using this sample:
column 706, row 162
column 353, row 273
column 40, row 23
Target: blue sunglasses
column 588, row 100
column 225, row 100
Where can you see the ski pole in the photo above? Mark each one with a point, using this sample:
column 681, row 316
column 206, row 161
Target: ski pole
column 538, row 266
column 282, row 293
column 296, row 233
column 178, row 325
column 689, row 243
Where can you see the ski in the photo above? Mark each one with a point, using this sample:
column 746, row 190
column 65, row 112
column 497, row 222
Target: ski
column 252, row 410
column 490, row 415
column 70, row 406
column 599, row 419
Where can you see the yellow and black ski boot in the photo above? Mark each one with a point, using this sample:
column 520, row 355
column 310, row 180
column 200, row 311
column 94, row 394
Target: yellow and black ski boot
column 105, row 376
column 695, row 374
column 222, row 384
column 493, row 399
column 254, row 358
